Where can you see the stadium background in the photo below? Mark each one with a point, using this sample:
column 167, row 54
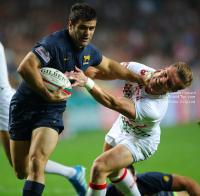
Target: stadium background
column 154, row 32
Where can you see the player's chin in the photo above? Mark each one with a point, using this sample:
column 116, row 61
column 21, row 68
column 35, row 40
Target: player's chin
column 84, row 43
column 155, row 88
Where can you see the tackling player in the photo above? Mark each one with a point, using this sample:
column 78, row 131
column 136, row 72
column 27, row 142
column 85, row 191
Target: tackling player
column 135, row 135
column 35, row 112
column 159, row 184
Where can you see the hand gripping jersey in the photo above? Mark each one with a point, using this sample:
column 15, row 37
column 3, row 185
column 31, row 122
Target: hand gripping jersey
column 150, row 109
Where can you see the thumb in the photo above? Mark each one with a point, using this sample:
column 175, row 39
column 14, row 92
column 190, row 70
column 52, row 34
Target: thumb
column 77, row 69
column 62, row 88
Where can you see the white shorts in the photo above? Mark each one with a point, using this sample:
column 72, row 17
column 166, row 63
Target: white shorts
column 140, row 148
column 5, row 97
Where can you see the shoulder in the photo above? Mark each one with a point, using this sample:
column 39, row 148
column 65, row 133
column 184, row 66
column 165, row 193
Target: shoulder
column 154, row 181
column 58, row 39
column 92, row 48
column 154, row 175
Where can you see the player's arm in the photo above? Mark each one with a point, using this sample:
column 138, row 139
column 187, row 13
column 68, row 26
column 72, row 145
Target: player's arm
column 120, row 104
column 28, row 70
column 117, row 71
column 94, row 73
column 181, row 183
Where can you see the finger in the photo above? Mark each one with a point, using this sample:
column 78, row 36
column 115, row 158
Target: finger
column 75, row 84
column 73, row 78
column 62, row 88
column 66, row 74
column 77, row 69
column 66, row 96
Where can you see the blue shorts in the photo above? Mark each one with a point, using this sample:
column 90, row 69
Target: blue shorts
column 24, row 117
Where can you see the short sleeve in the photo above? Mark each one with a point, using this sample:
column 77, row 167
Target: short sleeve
column 44, row 51
column 154, row 182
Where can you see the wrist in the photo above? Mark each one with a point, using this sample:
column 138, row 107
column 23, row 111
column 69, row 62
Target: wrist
column 89, row 84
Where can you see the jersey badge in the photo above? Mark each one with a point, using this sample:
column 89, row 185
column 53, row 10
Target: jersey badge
column 66, row 59
column 86, row 59
column 43, row 53
column 166, row 178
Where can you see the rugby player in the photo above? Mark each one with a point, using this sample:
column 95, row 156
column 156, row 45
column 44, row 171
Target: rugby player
column 159, row 184
column 75, row 174
column 135, row 135
column 36, row 113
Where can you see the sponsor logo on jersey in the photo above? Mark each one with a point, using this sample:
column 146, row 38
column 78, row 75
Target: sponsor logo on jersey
column 86, row 59
column 66, row 59
column 43, row 53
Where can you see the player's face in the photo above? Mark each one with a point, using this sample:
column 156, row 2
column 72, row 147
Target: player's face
column 165, row 80
column 82, row 32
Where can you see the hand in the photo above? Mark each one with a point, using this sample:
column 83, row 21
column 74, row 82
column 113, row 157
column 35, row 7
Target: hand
column 57, row 96
column 146, row 79
column 78, row 76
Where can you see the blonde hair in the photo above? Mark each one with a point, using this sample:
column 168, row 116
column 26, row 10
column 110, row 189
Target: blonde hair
column 185, row 74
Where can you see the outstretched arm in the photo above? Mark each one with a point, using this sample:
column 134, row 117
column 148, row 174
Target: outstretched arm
column 94, row 73
column 120, row 104
column 181, row 183
column 117, row 71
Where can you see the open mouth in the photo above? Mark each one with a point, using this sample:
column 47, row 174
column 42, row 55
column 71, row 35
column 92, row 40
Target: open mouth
column 85, row 39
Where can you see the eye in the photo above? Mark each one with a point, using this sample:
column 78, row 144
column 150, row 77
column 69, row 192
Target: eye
column 92, row 28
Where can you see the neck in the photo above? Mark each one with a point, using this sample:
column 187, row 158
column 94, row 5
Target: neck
column 152, row 92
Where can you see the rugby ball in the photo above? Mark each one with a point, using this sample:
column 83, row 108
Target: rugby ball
column 54, row 79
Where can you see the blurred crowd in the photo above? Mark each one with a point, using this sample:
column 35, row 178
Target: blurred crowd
column 154, row 32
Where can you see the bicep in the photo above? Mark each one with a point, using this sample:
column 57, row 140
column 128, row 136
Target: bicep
column 178, row 182
column 126, row 107
column 105, row 66
column 94, row 73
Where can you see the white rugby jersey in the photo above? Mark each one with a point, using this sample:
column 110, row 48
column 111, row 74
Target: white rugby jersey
column 4, row 82
column 150, row 109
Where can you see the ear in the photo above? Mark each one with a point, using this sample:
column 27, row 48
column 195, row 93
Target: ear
column 70, row 25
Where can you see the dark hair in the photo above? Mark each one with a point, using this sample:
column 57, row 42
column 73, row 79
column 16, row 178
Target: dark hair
column 82, row 11
column 131, row 168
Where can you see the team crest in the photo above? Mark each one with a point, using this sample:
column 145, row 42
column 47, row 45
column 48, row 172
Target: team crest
column 86, row 59
column 166, row 178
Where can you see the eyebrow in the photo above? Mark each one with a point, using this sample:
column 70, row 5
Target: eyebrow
column 82, row 25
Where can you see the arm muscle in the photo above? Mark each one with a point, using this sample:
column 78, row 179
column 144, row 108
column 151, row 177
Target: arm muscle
column 120, row 104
